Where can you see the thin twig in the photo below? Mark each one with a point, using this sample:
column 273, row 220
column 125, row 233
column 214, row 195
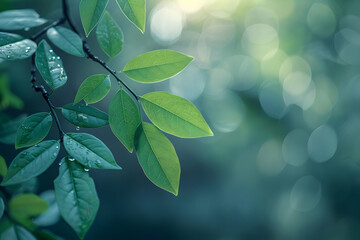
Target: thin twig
column 95, row 58
column 45, row 94
column 44, row 30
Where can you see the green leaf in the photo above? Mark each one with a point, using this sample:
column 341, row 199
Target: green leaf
column 31, row 162
column 135, row 11
column 27, row 205
column 20, row 19
column 8, row 129
column 89, row 151
column 124, row 118
column 33, row 130
column 24, row 206
column 93, row 89
column 3, row 167
column 91, row 12
column 156, row 66
column 2, row 207
column 16, row 232
column 66, row 40
column 175, row 115
column 157, row 158
column 8, row 99
column 76, row 196
column 85, row 116
column 14, row 47
column 7, row 38
column 109, row 36
column 50, row 66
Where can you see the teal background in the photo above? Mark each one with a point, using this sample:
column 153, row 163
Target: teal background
column 279, row 83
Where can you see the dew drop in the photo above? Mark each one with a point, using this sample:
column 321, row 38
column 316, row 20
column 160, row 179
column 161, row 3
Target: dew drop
column 60, row 163
column 8, row 56
column 50, row 51
column 77, row 128
column 58, row 58
column 26, row 29
column 58, row 65
column 86, row 169
column 26, row 51
column 28, row 48
column 57, row 147
column 71, row 159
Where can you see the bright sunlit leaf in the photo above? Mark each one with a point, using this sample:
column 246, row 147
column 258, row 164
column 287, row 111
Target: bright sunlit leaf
column 156, row 66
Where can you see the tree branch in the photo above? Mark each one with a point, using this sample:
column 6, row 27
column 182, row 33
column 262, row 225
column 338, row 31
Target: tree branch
column 89, row 52
column 40, row 88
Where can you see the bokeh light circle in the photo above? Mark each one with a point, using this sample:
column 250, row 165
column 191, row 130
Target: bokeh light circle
column 322, row 144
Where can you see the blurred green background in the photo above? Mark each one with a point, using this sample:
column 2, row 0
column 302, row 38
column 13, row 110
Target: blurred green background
column 278, row 82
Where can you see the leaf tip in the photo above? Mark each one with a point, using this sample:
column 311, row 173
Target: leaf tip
column 211, row 133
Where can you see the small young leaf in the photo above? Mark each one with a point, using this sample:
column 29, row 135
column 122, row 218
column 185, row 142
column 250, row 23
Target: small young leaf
column 50, row 66
column 89, row 151
column 25, row 206
column 66, row 40
column 16, row 232
column 91, row 12
column 33, row 130
column 85, row 116
column 93, row 89
column 31, row 162
column 14, row 47
column 135, row 11
column 8, row 129
column 2, row 207
column 175, row 115
column 157, row 158
column 124, row 118
column 156, row 66
column 109, row 36
column 76, row 196
column 20, row 19
column 3, row 167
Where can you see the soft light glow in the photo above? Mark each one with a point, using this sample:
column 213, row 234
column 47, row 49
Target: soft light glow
column 166, row 23
column 191, row 6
